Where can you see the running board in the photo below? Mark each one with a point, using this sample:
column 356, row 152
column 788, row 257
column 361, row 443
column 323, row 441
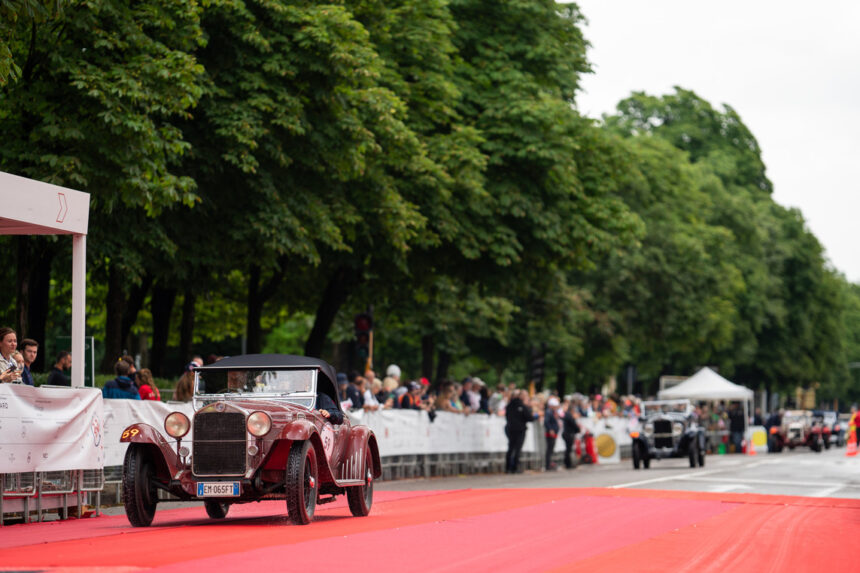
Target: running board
column 349, row 482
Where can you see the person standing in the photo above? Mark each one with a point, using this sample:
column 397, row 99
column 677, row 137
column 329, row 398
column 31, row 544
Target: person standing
column 551, row 430
column 518, row 414
column 57, row 377
column 121, row 386
column 29, row 350
column 568, row 433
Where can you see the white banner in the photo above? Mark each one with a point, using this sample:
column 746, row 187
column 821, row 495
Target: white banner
column 119, row 414
column 50, row 429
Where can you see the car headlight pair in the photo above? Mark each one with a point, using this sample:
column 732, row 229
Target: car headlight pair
column 177, row 424
column 677, row 429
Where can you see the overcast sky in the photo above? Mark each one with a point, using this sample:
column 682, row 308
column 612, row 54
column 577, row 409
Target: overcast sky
column 791, row 70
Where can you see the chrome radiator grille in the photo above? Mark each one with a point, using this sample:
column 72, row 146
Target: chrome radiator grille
column 219, row 444
column 663, row 434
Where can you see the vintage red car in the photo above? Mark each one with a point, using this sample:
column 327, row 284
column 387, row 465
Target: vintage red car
column 257, row 433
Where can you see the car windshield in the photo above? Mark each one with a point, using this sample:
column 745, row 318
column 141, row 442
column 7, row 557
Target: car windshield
column 665, row 407
column 256, row 381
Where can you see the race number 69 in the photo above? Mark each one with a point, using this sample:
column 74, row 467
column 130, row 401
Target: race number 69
column 132, row 432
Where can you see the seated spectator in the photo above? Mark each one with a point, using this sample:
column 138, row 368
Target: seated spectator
column 121, row 387
column 184, row 387
column 57, row 377
column 146, row 386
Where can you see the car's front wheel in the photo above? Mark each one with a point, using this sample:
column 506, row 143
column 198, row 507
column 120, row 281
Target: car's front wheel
column 361, row 497
column 693, row 453
column 302, row 482
column 139, row 494
column 216, row 509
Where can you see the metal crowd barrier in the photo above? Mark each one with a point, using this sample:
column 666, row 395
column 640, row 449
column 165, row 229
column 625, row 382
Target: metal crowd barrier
column 48, row 491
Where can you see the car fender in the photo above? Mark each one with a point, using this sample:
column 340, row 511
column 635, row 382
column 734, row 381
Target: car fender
column 296, row 430
column 166, row 457
column 361, row 438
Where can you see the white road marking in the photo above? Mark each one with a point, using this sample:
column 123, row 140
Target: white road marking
column 665, row 478
column 827, row 492
column 775, row 482
column 728, row 487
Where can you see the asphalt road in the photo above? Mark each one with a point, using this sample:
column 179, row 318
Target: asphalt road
column 801, row 472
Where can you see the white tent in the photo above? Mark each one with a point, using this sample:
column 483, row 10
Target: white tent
column 35, row 208
column 707, row 385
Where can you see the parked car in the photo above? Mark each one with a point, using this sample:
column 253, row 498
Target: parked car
column 668, row 429
column 257, row 433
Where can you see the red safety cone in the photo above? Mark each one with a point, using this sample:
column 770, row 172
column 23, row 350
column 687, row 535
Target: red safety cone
column 750, row 447
column 851, row 449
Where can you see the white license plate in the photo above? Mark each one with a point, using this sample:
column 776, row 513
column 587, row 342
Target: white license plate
column 218, row 489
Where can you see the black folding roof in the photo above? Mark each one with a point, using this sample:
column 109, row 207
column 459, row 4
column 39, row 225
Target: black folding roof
column 273, row 361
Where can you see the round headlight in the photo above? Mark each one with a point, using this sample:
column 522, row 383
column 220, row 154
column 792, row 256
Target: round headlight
column 649, row 428
column 259, row 424
column 176, row 424
column 677, row 428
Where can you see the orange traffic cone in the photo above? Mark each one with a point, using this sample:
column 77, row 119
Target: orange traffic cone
column 750, row 447
column 851, row 449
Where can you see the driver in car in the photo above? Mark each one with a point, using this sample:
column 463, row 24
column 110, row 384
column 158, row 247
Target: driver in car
column 328, row 409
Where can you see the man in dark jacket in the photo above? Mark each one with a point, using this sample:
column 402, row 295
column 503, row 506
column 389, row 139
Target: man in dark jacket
column 569, row 431
column 121, row 386
column 518, row 414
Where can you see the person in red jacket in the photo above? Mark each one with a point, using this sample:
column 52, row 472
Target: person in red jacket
column 146, row 386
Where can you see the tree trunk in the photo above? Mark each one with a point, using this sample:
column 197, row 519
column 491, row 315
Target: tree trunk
column 162, row 306
column 442, row 369
column 335, row 294
column 136, row 298
column 186, row 329
column 427, row 351
column 24, row 272
column 257, row 297
column 561, row 382
column 40, row 303
column 114, row 306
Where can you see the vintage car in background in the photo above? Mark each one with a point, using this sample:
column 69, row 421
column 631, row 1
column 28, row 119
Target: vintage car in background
column 835, row 427
column 798, row 428
column 256, row 433
column 668, row 429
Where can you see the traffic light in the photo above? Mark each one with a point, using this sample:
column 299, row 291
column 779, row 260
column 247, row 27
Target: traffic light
column 364, row 338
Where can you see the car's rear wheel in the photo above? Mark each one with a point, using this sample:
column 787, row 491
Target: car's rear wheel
column 693, row 453
column 302, row 482
column 361, row 497
column 216, row 509
column 637, row 455
column 139, row 494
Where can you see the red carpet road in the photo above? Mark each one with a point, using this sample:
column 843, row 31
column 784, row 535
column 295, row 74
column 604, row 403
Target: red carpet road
column 496, row 530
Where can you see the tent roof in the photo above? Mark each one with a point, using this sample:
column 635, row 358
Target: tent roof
column 35, row 208
column 707, row 385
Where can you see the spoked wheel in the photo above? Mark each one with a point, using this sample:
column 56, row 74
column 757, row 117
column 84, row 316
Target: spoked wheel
column 139, row 494
column 216, row 509
column 302, row 482
column 361, row 497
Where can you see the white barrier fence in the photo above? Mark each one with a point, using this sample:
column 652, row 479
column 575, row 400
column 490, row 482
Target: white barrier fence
column 48, row 429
